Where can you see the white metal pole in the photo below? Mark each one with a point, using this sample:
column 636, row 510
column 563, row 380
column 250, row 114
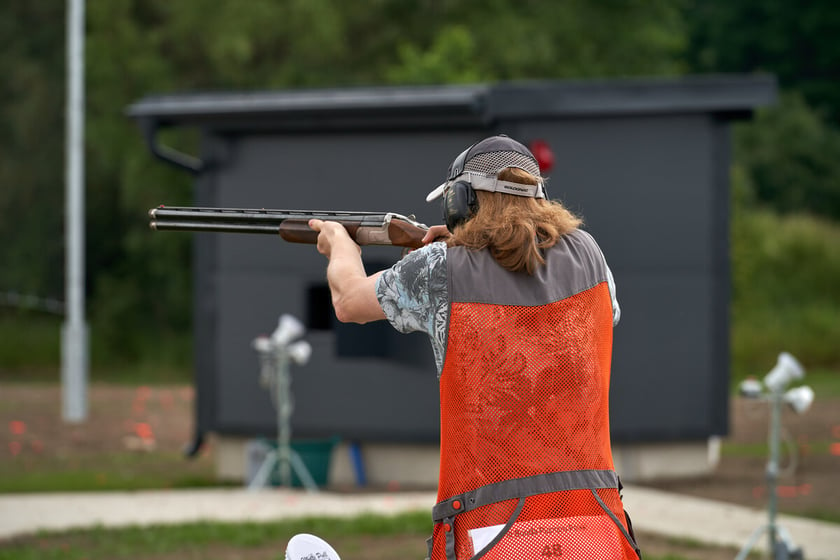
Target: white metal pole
column 773, row 470
column 74, row 332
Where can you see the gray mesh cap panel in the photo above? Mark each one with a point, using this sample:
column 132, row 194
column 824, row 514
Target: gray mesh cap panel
column 490, row 163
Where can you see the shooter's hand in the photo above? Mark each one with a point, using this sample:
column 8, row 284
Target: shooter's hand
column 436, row 233
column 330, row 236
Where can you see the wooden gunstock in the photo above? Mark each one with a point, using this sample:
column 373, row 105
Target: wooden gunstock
column 405, row 234
column 298, row 231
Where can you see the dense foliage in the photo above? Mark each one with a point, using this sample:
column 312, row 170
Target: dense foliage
column 788, row 157
column 792, row 152
column 796, row 41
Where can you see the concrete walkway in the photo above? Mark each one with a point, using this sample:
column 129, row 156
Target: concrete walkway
column 652, row 511
column 718, row 523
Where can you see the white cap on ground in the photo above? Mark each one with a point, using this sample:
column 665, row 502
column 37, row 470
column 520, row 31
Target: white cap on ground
column 304, row 546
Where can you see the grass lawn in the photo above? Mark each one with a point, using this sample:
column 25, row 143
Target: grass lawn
column 366, row 537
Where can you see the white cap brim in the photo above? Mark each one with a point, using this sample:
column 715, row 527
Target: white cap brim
column 437, row 193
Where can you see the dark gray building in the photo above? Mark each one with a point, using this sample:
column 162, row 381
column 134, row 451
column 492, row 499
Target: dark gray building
column 645, row 161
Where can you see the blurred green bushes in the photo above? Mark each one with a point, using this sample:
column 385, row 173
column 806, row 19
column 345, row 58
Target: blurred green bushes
column 30, row 350
column 785, row 239
column 785, row 290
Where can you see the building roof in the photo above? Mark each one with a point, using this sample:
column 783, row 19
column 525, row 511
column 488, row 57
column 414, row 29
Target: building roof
column 456, row 105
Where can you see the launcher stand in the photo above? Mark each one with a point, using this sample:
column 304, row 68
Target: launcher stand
column 276, row 353
column 779, row 542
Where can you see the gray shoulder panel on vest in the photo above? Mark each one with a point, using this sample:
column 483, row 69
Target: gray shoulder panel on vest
column 561, row 481
column 573, row 265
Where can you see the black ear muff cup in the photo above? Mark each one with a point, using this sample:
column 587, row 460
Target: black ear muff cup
column 459, row 204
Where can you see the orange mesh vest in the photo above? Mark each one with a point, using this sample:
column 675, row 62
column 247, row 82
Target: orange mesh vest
column 526, row 468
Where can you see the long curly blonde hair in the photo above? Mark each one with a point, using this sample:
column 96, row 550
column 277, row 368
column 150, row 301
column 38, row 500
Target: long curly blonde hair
column 515, row 229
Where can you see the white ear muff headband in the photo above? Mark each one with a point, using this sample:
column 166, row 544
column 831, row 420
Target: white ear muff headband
column 492, row 184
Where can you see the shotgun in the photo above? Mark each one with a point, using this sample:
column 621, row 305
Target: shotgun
column 366, row 228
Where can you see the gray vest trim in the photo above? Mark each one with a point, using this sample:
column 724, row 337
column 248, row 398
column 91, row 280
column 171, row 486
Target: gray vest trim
column 523, row 488
column 503, row 533
column 573, row 265
column 618, row 523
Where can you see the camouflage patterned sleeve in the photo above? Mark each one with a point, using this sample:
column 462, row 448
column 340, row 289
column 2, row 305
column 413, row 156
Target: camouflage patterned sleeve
column 415, row 297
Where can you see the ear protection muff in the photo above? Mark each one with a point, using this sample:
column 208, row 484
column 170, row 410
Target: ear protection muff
column 459, row 204
column 459, row 199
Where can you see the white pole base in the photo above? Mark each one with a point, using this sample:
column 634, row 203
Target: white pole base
column 74, row 371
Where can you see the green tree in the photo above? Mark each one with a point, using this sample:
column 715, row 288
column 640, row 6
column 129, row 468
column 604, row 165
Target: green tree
column 796, row 41
column 31, row 148
column 792, row 158
column 533, row 40
column 790, row 152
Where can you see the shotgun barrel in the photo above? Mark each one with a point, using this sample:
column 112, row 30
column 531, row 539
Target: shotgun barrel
column 366, row 228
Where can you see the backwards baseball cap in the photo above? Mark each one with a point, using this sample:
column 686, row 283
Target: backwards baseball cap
column 479, row 165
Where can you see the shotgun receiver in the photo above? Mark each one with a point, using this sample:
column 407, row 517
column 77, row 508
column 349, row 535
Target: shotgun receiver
column 365, row 228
